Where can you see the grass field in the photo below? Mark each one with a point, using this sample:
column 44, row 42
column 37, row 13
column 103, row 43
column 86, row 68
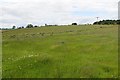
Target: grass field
column 0, row 54
column 61, row 52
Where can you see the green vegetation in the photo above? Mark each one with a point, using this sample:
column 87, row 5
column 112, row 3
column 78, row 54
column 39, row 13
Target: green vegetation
column 89, row 51
column 0, row 54
column 107, row 22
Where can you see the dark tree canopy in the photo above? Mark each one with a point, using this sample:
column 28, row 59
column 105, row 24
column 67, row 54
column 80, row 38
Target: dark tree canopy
column 74, row 23
column 107, row 22
column 13, row 27
column 22, row 26
column 29, row 26
column 36, row 26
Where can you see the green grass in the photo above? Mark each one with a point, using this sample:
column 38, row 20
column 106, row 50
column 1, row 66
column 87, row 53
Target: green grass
column 70, row 52
column 0, row 54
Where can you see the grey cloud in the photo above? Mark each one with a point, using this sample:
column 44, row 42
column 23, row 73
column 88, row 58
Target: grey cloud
column 54, row 11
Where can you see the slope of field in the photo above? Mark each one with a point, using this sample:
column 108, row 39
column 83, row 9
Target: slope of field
column 61, row 52
column 0, row 54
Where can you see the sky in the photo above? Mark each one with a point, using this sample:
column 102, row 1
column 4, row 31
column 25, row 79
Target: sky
column 61, row 12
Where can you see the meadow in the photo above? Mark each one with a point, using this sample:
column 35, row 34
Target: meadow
column 83, row 51
column 0, row 54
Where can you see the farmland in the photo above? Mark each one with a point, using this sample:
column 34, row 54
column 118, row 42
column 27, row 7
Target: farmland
column 84, row 51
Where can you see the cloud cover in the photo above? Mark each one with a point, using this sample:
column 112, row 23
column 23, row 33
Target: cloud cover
column 39, row 12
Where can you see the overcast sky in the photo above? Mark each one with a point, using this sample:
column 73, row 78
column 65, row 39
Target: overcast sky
column 39, row 12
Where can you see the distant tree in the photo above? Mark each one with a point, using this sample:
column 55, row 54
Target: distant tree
column 55, row 25
column 118, row 22
column 29, row 26
column 74, row 23
column 13, row 27
column 45, row 24
column 22, row 26
column 19, row 27
column 35, row 26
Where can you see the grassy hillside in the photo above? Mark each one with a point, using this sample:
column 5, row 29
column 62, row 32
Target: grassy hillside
column 0, row 54
column 61, row 52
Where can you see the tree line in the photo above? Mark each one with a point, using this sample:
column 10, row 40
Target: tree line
column 31, row 26
column 103, row 22
column 107, row 22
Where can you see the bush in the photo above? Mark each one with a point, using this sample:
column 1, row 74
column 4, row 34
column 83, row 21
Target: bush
column 74, row 23
column 29, row 26
column 35, row 26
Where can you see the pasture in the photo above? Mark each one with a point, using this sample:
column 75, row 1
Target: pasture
column 84, row 51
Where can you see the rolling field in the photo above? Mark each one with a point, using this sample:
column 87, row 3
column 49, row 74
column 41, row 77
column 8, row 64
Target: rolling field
column 0, row 54
column 61, row 52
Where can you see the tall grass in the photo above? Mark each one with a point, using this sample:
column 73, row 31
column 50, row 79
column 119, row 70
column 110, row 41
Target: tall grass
column 71, row 52
column 0, row 54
